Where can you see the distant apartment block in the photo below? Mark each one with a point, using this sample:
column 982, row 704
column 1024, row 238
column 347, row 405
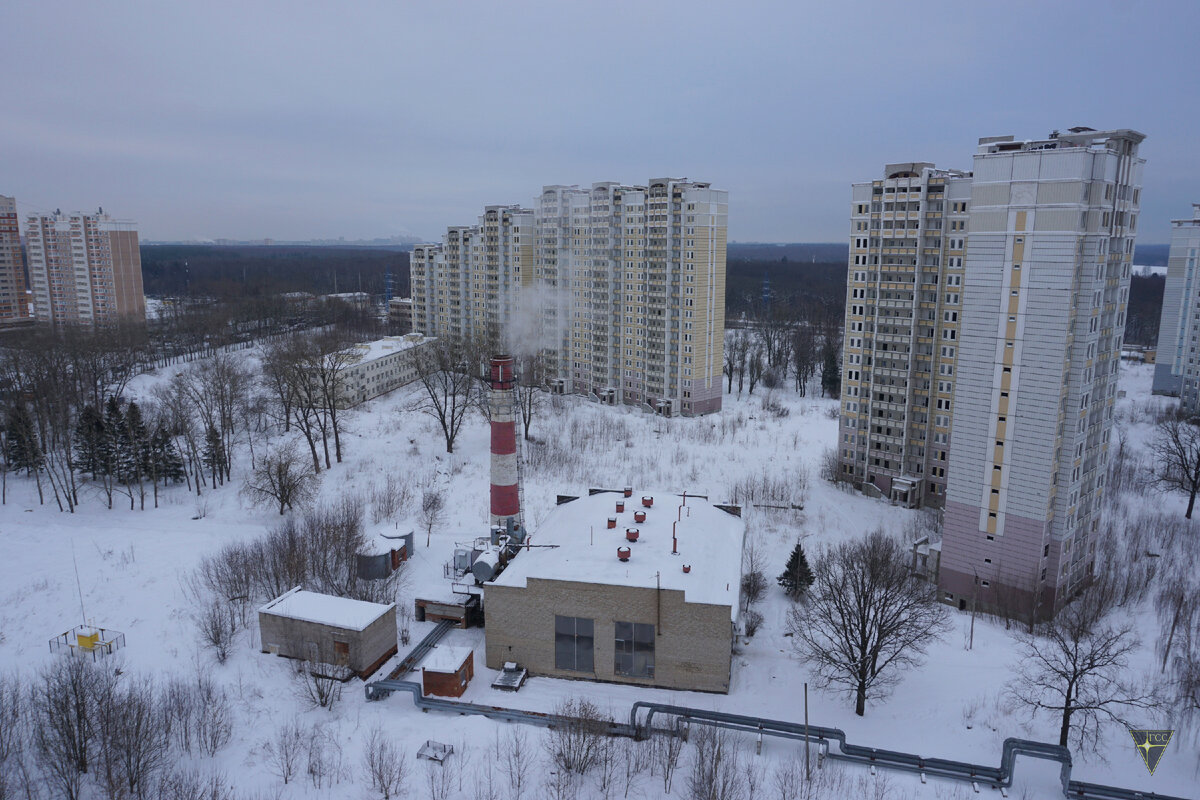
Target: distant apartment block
column 400, row 314
column 381, row 366
column 1176, row 372
column 14, row 299
column 620, row 287
column 903, row 301
column 84, row 268
column 1044, row 294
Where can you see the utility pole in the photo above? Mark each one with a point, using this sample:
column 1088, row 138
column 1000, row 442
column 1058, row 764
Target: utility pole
column 807, row 767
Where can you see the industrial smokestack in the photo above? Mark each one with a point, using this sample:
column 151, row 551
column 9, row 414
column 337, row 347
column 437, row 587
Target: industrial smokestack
column 505, row 500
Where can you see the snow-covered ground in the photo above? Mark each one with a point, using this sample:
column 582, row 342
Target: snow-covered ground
column 131, row 565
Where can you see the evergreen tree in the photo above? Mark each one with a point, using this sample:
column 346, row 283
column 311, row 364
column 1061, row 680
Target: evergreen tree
column 213, row 456
column 113, row 444
column 21, row 447
column 797, row 576
column 90, row 441
column 831, row 376
column 135, row 445
column 164, row 457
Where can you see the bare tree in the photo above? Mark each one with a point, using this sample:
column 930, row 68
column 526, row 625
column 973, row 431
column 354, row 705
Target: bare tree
column 16, row 776
column 317, row 685
column 385, row 765
column 1177, row 604
column 716, row 766
column 63, row 723
column 285, row 749
column 754, row 577
column 516, row 760
column 804, row 357
column 439, row 780
column 445, row 373
column 192, row 784
column 757, row 364
column 865, row 618
column 1176, row 449
column 323, row 758
column 574, row 745
column 667, row 750
column 133, row 738
column 432, row 505
column 530, row 372
column 1077, row 667
column 283, row 478
column 217, row 627
column 391, row 499
column 214, row 717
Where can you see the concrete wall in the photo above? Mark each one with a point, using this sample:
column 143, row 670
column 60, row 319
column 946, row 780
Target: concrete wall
column 692, row 642
column 298, row 639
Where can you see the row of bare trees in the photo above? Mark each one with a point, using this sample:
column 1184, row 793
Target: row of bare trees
column 318, row 551
column 82, row 729
column 454, row 380
column 779, row 339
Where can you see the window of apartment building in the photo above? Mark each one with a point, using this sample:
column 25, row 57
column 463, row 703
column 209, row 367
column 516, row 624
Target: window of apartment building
column 573, row 644
column 633, row 652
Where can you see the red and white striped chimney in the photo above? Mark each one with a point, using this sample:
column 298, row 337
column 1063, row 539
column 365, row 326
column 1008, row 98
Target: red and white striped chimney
column 505, row 500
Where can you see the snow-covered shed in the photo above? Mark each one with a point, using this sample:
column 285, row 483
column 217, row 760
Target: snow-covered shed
column 331, row 630
column 634, row 587
column 447, row 670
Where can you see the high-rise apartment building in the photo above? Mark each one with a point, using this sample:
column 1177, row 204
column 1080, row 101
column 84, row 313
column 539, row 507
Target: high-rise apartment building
column 622, row 288
column 903, row 301
column 1044, row 295
column 84, row 268
column 1176, row 371
column 14, row 300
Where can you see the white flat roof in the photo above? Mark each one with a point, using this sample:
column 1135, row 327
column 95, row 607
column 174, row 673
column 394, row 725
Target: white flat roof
column 444, row 658
column 326, row 609
column 389, row 345
column 709, row 541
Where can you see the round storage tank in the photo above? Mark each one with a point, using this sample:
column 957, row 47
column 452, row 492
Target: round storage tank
column 487, row 566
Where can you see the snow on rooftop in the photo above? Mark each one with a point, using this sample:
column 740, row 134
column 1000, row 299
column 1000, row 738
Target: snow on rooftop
column 444, row 658
column 709, row 541
column 388, row 345
column 325, row 609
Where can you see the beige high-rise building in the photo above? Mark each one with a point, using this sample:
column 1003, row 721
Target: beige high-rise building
column 1052, row 228
column 622, row 288
column 903, row 300
column 84, row 268
column 14, row 299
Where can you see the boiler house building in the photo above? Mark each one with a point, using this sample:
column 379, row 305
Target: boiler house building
column 630, row 587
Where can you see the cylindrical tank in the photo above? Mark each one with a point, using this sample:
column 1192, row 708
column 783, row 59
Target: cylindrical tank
column 486, row 566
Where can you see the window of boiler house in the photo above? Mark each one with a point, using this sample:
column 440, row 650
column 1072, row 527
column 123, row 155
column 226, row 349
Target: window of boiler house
column 634, row 650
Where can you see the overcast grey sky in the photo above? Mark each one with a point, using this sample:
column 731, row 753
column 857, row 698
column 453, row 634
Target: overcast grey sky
column 297, row 120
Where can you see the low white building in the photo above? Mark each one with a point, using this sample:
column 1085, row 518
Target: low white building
column 382, row 366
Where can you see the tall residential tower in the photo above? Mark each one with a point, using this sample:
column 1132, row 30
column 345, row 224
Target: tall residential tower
column 14, row 300
column 621, row 288
column 903, row 300
column 1044, row 297
column 84, row 268
column 1176, row 371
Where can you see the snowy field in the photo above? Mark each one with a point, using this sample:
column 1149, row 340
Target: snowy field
column 132, row 564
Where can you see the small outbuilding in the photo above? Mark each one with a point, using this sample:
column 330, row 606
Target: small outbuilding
column 349, row 634
column 446, row 671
